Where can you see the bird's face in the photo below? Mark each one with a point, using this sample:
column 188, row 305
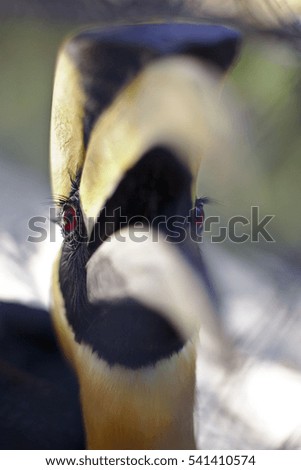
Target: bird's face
column 130, row 123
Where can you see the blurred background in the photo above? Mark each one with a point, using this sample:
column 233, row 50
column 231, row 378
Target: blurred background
column 258, row 283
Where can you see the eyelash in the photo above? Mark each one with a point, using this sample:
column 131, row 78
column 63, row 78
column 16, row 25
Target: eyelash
column 68, row 215
column 71, row 201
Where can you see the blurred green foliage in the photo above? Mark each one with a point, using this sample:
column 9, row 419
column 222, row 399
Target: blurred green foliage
column 27, row 56
column 268, row 78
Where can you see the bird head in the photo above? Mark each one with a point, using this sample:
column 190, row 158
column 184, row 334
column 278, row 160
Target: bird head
column 135, row 108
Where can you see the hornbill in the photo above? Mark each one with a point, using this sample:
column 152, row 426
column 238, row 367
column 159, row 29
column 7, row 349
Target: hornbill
column 132, row 116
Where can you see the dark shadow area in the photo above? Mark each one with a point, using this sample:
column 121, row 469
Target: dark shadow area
column 39, row 407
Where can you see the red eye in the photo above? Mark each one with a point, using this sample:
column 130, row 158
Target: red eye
column 199, row 216
column 69, row 219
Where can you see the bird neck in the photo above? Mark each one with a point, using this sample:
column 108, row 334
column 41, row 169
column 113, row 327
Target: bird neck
column 145, row 408
column 149, row 408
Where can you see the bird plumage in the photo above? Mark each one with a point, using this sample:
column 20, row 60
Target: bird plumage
column 132, row 117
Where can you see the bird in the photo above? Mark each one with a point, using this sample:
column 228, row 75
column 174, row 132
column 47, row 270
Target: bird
column 132, row 116
column 39, row 407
